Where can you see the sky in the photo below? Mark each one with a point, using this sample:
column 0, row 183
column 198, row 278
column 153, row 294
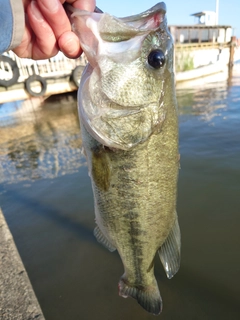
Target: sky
column 178, row 12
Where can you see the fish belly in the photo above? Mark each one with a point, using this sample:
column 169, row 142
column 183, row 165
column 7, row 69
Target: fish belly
column 135, row 199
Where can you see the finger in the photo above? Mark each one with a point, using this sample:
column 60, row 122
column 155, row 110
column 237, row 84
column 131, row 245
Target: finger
column 55, row 15
column 88, row 5
column 69, row 44
column 45, row 44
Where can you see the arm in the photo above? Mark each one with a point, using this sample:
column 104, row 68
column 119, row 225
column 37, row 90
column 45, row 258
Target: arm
column 12, row 24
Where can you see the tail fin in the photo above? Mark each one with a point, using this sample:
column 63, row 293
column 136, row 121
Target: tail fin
column 149, row 297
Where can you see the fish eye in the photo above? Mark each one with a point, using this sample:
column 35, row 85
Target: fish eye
column 156, row 59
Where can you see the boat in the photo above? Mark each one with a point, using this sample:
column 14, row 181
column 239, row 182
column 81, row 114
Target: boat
column 22, row 78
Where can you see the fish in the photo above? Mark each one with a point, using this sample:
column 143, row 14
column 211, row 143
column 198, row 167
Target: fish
column 129, row 125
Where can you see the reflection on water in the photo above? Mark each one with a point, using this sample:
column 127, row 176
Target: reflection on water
column 47, row 200
column 208, row 103
column 39, row 141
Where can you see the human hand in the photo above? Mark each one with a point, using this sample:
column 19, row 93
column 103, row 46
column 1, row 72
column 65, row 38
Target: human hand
column 48, row 29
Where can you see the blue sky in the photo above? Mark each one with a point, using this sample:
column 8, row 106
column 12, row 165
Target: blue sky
column 178, row 11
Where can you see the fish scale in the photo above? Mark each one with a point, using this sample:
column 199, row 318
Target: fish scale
column 128, row 119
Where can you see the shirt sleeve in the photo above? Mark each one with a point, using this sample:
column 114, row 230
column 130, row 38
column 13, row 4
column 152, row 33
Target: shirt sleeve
column 11, row 24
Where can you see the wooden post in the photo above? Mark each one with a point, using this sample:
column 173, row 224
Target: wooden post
column 232, row 47
column 199, row 35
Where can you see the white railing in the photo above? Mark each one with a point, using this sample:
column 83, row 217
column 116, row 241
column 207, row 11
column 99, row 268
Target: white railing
column 58, row 66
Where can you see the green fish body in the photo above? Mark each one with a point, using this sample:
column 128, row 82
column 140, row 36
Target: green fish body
column 128, row 118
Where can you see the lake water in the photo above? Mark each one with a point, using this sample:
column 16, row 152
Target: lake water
column 46, row 196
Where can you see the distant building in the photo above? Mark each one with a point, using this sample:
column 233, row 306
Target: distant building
column 199, row 33
column 205, row 30
column 207, row 18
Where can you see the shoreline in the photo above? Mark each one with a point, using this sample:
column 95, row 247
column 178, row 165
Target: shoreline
column 17, row 297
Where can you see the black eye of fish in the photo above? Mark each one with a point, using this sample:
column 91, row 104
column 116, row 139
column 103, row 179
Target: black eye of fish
column 156, row 59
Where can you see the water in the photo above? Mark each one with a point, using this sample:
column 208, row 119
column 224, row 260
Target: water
column 46, row 197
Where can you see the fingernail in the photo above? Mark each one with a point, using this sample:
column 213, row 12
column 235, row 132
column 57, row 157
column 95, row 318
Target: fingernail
column 35, row 11
column 51, row 5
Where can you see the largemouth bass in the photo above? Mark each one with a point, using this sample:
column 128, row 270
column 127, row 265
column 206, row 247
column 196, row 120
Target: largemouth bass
column 128, row 118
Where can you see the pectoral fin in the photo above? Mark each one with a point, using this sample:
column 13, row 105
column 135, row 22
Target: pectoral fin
column 169, row 252
column 103, row 240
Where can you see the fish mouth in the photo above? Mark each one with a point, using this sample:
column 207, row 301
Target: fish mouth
column 159, row 8
column 127, row 27
column 105, row 27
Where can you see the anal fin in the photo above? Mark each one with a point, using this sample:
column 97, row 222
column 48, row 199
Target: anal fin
column 102, row 239
column 170, row 251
